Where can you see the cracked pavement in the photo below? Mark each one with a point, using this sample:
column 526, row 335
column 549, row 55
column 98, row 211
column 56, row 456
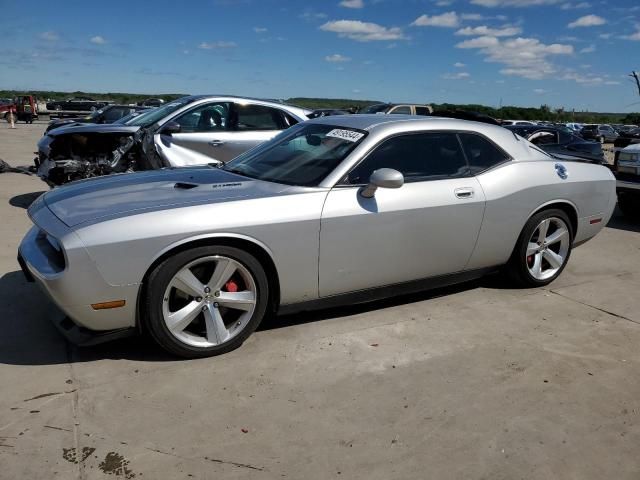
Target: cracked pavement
column 473, row 381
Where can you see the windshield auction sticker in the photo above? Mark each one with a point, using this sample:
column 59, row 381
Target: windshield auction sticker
column 348, row 135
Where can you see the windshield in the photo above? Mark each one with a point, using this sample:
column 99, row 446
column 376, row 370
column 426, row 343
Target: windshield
column 378, row 108
column 302, row 155
column 157, row 114
column 128, row 120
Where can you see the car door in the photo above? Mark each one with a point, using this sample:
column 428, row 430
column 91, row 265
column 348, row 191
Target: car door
column 219, row 131
column 426, row 228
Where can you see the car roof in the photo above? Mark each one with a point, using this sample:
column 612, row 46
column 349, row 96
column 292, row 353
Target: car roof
column 390, row 124
column 302, row 112
column 371, row 121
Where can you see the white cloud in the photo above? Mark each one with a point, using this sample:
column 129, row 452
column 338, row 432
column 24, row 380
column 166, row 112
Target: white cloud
column 588, row 79
column 362, row 31
column 216, row 45
column 480, row 42
column 483, row 30
column 459, row 65
column 605, row 36
column 260, row 30
column 633, row 36
column 539, row 91
column 456, row 76
column 522, row 57
column 574, row 6
column 588, row 21
column 589, row 49
column 98, row 40
column 337, row 58
column 472, row 16
column 310, row 15
column 444, row 3
column 447, row 20
column 49, row 36
column 352, row 3
column 514, row 3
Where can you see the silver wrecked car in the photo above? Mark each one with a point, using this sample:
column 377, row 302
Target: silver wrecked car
column 193, row 130
column 334, row 210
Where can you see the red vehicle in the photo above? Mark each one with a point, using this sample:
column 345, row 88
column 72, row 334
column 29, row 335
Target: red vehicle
column 24, row 107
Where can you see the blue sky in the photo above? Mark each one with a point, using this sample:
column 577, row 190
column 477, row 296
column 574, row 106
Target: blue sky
column 565, row 53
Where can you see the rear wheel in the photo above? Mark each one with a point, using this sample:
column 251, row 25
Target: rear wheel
column 206, row 301
column 543, row 249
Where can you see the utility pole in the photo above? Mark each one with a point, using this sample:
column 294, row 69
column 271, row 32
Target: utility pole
column 634, row 74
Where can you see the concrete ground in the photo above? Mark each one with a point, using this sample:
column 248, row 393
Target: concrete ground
column 478, row 381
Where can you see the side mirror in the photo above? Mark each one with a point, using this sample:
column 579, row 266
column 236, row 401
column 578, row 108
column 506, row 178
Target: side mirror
column 382, row 178
column 171, row 128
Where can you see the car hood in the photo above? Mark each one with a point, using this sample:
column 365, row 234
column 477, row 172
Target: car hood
column 634, row 147
column 105, row 198
column 92, row 128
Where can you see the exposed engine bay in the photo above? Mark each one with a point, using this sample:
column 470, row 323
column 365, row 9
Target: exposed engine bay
column 74, row 156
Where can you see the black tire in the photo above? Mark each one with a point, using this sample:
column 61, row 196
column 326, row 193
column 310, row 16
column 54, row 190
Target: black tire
column 517, row 268
column 159, row 279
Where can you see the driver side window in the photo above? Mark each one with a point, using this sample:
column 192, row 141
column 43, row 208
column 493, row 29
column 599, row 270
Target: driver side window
column 210, row 117
column 419, row 157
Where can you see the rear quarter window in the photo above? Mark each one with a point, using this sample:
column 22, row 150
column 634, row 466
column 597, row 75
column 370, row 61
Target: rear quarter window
column 481, row 153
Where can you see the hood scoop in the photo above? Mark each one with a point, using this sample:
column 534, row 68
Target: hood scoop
column 185, row 185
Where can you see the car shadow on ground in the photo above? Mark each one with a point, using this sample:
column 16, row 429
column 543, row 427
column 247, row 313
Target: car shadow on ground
column 620, row 222
column 24, row 200
column 275, row 322
column 29, row 338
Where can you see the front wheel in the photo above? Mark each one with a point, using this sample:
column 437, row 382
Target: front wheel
column 206, row 301
column 543, row 249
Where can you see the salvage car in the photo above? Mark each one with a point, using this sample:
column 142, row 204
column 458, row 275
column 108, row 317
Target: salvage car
column 194, row 130
column 560, row 142
column 77, row 104
column 334, row 210
column 629, row 137
column 108, row 114
column 599, row 133
column 397, row 109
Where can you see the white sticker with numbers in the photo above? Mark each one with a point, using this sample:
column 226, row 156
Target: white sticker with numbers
column 348, row 135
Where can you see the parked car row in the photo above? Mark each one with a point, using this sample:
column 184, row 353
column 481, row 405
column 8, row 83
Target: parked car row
column 200, row 130
column 108, row 114
column 76, row 104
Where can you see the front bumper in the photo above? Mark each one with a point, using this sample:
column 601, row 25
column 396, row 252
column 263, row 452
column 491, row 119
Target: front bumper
column 75, row 284
column 74, row 333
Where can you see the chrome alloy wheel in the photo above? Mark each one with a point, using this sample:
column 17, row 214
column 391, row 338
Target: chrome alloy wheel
column 548, row 248
column 209, row 301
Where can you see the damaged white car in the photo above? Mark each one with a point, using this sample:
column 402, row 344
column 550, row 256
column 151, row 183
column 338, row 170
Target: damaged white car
column 194, row 130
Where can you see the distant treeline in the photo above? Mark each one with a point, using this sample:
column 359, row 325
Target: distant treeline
column 544, row 112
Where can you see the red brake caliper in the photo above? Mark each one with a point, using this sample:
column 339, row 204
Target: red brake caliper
column 231, row 286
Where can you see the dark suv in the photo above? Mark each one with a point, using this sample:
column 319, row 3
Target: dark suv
column 599, row 133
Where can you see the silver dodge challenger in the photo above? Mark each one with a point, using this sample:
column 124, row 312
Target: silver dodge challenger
column 335, row 210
